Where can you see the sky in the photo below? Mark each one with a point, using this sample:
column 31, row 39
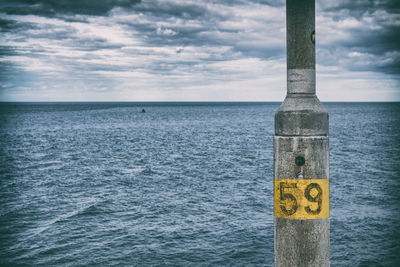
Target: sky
column 184, row 50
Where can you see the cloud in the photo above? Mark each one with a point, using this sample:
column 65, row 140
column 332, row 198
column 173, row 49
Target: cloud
column 54, row 7
column 359, row 7
column 182, row 49
column 369, row 28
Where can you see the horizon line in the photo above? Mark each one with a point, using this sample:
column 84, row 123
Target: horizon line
column 172, row 101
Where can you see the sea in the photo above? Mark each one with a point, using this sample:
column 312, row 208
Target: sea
column 183, row 184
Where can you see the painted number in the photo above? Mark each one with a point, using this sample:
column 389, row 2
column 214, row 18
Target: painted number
column 313, row 193
column 288, row 198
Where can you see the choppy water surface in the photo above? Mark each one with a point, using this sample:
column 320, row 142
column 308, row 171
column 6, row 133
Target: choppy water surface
column 183, row 184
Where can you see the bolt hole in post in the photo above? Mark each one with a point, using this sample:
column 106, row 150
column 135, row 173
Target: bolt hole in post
column 300, row 161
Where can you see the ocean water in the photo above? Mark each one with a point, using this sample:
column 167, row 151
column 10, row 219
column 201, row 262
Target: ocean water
column 184, row 184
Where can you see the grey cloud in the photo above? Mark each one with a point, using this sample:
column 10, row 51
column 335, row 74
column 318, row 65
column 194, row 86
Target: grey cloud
column 203, row 24
column 275, row 3
column 52, row 7
column 380, row 38
column 172, row 9
column 359, row 7
column 377, row 41
column 7, row 25
column 203, row 27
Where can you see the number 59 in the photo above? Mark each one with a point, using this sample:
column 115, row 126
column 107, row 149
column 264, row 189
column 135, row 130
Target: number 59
column 313, row 193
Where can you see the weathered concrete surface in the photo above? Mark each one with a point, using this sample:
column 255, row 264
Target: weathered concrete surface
column 300, row 23
column 315, row 151
column 301, row 131
column 303, row 242
column 301, row 115
column 301, row 81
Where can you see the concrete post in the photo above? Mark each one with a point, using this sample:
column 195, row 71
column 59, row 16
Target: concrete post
column 301, row 152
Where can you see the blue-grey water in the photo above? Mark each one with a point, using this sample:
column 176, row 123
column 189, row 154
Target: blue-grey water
column 183, row 184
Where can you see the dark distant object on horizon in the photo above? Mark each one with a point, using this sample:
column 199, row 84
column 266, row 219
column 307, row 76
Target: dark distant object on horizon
column 143, row 111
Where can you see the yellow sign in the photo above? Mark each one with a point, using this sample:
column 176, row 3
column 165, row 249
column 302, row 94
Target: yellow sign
column 301, row 198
